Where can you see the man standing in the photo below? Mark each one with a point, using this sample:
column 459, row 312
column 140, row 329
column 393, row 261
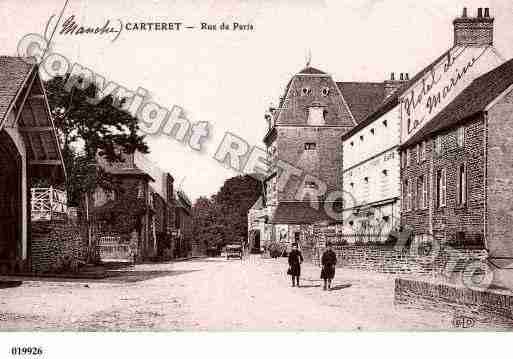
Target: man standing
column 295, row 260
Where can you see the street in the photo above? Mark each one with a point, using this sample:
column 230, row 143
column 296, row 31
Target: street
column 212, row 294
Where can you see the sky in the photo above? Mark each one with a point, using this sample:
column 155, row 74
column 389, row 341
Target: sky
column 230, row 78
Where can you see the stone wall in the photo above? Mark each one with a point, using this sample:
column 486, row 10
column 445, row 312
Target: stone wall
column 481, row 307
column 387, row 259
column 53, row 242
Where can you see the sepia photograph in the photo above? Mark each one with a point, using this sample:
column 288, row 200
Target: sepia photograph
column 255, row 166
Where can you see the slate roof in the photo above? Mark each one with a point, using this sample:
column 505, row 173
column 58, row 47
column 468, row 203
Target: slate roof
column 362, row 97
column 474, row 99
column 13, row 72
column 312, row 71
column 393, row 100
column 299, row 213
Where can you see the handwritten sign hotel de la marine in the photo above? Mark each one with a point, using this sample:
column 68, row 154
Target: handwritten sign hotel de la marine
column 442, row 83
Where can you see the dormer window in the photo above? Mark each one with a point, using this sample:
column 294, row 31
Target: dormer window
column 311, row 184
column 316, row 116
column 325, row 91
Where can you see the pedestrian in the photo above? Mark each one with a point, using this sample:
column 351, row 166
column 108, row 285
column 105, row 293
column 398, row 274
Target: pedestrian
column 295, row 260
column 328, row 262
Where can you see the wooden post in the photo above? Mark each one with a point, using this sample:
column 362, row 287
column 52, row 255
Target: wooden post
column 51, row 202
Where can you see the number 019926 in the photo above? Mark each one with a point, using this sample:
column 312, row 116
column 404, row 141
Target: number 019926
column 23, row 351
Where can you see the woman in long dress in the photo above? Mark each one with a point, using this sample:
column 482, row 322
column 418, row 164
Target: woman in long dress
column 328, row 262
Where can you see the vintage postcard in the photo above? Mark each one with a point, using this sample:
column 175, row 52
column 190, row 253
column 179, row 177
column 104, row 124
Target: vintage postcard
column 230, row 165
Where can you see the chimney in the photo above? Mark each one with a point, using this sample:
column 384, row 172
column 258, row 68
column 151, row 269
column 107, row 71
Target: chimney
column 392, row 85
column 474, row 31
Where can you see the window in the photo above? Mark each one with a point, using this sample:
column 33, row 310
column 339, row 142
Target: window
column 326, row 91
column 441, row 188
column 316, row 116
column 385, row 123
column 422, row 192
column 311, row 184
column 438, row 145
column 423, row 151
column 403, row 159
column 305, row 91
column 461, row 185
column 310, row 146
column 408, row 155
column 361, row 138
column 140, row 190
column 372, row 131
column 460, row 136
column 417, row 153
column 296, row 237
column 413, row 194
column 405, row 196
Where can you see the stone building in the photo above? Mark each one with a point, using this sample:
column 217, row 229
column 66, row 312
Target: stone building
column 143, row 209
column 371, row 162
column 457, row 171
column 303, row 146
column 29, row 153
column 185, row 245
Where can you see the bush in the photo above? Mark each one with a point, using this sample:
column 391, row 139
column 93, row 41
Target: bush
column 276, row 249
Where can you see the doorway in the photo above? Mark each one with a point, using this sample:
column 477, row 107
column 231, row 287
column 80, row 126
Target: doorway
column 10, row 201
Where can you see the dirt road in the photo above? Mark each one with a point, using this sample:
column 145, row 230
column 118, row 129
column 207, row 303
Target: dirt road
column 212, row 294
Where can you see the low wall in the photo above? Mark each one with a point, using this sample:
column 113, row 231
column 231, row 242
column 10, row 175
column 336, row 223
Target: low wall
column 483, row 308
column 55, row 244
column 387, row 259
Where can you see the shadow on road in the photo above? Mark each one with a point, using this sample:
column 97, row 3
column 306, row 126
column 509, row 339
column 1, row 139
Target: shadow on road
column 310, row 286
column 130, row 276
column 340, row 286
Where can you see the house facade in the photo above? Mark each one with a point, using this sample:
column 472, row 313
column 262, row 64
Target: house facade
column 143, row 209
column 371, row 159
column 457, row 172
column 29, row 153
column 370, row 171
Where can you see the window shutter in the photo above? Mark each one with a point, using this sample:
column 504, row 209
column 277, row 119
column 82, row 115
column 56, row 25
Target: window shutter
column 425, row 192
column 444, row 187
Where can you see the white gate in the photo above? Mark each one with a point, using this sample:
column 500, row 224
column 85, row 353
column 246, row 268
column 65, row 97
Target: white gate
column 112, row 249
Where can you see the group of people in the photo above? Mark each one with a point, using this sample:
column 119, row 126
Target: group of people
column 328, row 263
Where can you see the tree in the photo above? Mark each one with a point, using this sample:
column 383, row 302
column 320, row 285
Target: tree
column 223, row 218
column 100, row 129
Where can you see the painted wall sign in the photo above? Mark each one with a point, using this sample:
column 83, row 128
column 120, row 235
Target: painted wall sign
column 440, row 85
